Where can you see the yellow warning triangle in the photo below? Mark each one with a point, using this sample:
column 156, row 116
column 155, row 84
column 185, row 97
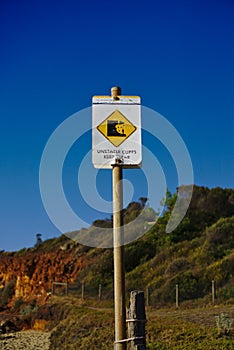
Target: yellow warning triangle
column 116, row 128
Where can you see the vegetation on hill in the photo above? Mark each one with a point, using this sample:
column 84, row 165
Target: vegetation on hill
column 199, row 251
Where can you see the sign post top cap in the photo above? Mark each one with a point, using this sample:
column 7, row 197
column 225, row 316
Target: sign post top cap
column 115, row 91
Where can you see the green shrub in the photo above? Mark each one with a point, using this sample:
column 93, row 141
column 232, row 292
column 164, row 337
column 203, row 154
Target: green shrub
column 27, row 310
column 17, row 304
column 30, row 308
column 177, row 265
column 7, row 293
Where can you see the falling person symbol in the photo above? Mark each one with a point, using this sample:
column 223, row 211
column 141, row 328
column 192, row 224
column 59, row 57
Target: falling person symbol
column 115, row 128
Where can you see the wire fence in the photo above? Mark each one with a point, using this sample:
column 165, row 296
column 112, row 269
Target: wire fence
column 82, row 290
column 102, row 292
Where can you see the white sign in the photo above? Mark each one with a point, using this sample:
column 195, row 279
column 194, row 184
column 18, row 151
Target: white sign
column 116, row 127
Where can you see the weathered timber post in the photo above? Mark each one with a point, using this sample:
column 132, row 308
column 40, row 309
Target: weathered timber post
column 82, row 291
column 213, row 291
column 177, row 296
column 136, row 320
column 147, row 296
column 100, row 292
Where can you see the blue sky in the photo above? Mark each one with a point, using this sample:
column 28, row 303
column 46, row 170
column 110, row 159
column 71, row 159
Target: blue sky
column 55, row 55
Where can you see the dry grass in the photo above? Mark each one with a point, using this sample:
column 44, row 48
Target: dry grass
column 90, row 326
column 187, row 329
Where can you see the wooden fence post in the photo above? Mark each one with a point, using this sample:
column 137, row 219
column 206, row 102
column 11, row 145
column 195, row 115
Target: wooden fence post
column 213, row 291
column 136, row 320
column 177, row 296
column 147, row 296
column 100, row 292
column 82, row 291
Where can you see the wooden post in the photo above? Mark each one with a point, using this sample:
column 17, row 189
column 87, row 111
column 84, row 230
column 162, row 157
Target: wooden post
column 118, row 243
column 100, row 292
column 52, row 288
column 177, row 296
column 136, row 321
column 147, row 296
column 119, row 281
column 82, row 291
column 213, row 291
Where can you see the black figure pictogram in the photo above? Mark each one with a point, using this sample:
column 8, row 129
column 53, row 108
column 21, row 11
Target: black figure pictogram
column 115, row 128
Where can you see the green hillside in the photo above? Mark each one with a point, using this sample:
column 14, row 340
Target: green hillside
column 200, row 250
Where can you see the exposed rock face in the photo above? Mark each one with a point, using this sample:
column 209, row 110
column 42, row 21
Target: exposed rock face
column 34, row 271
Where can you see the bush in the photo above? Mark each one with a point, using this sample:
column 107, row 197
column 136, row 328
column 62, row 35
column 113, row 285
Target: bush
column 177, row 265
column 17, row 304
column 8, row 292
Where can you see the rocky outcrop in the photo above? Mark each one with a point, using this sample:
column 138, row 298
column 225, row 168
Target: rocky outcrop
column 34, row 271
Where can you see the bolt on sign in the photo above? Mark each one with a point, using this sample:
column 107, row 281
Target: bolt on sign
column 116, row 127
